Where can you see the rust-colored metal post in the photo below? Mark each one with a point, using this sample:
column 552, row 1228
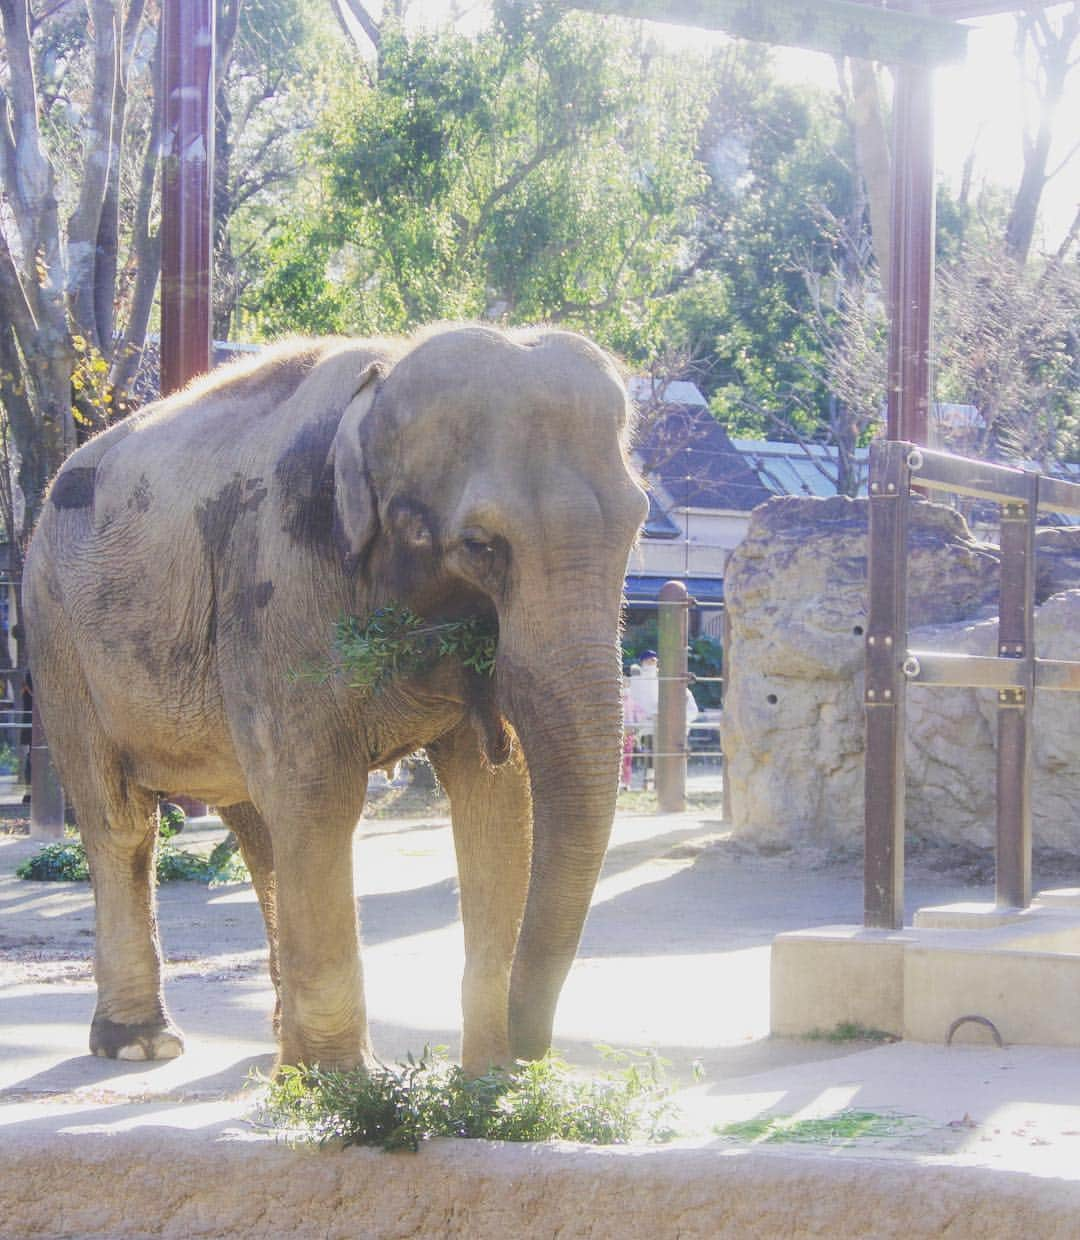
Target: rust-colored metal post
column 672, row 627
column 886, row 641
column 187, row 172
column 911, row 279
column 187, row 159
column 1016, row 641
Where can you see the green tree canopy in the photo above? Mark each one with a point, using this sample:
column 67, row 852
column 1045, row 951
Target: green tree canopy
column 520, row 175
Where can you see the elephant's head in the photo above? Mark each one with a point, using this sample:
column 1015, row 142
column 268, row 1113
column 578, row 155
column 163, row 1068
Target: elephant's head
column 490, row 477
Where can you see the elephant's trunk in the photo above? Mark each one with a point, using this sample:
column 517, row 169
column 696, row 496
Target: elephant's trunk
column 569, row 720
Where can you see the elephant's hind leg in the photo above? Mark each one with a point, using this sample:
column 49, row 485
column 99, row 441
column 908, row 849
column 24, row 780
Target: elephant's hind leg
column 119, row 824
column 257, row 849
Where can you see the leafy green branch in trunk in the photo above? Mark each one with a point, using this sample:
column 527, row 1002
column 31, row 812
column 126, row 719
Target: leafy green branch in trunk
column 394, row 643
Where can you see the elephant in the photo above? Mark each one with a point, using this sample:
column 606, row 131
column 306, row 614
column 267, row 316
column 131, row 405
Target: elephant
column 190, row 557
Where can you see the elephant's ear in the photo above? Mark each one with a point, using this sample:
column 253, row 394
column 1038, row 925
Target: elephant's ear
column 356, row 516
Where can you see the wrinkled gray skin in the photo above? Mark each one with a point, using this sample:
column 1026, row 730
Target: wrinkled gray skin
column 190, row 557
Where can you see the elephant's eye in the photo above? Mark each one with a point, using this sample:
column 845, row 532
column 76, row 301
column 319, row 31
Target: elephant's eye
column 478, row 548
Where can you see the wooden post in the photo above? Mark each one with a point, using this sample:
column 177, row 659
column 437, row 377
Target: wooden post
column 1016, row 640
column 886, row 640
column 672, row 625
column 46, row 792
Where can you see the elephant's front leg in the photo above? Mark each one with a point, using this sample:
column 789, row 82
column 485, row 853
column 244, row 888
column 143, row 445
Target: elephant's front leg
column 492, row 817
column 323, row 1019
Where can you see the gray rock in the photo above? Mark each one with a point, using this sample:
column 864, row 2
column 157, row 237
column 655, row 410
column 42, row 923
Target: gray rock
column 793, row 713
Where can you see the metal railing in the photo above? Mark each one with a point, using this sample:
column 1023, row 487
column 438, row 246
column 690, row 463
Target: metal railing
column 1015, row 671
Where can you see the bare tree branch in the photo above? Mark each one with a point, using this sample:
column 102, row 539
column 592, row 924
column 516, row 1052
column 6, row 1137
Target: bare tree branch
column 101, row 148
column 361, row 16
column 145, row 253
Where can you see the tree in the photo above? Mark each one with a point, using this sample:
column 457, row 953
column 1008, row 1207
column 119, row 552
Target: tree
column 1009, row 345
column 541, row 170
column 1008, row 322
column 266, row 98
column 1048, row 45
column 784, row 255
column 77, row 258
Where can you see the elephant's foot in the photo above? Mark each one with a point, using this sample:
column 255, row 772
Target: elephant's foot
column 158, row 1039
column 330, row 1056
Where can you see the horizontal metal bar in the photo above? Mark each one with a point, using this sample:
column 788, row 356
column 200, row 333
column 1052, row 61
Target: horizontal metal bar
column 941, row 471
column 974, row 671
column 838, row 27
column 679, row 753
column 1057, row 674
column 1058, row 495
column 963, row 671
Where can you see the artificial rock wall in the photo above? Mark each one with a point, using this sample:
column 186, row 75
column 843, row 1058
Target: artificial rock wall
column 793, row 715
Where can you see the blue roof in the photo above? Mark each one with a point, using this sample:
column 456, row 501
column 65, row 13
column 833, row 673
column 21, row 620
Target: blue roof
column 798, row 469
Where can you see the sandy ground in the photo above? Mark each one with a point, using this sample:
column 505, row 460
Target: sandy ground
column 677, row 898
column 675, row 956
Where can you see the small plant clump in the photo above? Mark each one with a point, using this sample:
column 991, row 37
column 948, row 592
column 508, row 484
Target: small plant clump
column 850, row 1031
column 62, row 862
column 65, row 862
column 397, row 1107
column 395, row 642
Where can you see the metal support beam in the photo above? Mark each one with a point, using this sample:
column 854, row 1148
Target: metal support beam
column 911, row 282
column 1016, row 640
column 883, row 859
column 838, row 27
column 187, row 160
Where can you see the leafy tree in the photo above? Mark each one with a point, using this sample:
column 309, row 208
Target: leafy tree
column 783, row 309
column 268, row 52
column 536, row 171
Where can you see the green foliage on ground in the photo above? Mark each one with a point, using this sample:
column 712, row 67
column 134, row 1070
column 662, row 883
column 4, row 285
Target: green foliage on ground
column 65, row 862
column 397, row 1107
column 62, row 862
column 843, row 1128
column 851, row 1031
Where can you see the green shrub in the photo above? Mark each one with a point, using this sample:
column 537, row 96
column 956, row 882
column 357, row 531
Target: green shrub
column 65, row 862
column 173, row 819
column 396, row 1107
column 62, row 862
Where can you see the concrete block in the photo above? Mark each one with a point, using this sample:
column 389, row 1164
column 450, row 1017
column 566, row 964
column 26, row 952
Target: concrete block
column 837, row 975
column 1030, row 997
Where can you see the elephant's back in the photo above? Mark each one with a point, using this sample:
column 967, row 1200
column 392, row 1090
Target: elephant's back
column 180, row 454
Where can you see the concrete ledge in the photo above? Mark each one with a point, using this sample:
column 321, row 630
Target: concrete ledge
column 968, row 916
column 1019, row 970
column 152, row 1182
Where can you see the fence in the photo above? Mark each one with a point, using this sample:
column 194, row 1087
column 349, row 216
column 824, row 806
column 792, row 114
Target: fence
column 1014, row 672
